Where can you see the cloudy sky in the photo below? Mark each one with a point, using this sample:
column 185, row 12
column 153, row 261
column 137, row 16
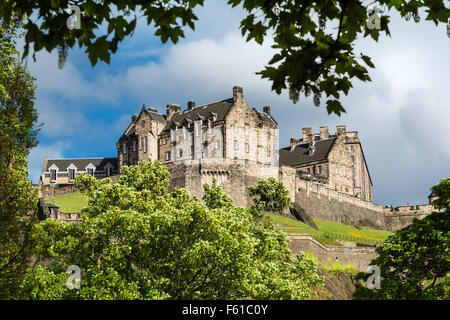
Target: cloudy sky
column 402, row 116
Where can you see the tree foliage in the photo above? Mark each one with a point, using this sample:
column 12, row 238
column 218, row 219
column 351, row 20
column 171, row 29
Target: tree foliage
column 314, row 39
column 136, row 241
column 415, row 261
column 270, row 196
column 18, row 200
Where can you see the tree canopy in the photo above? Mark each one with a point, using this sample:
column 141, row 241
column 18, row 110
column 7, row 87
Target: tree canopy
column 18, row 200
column 415, row 262
column 136, row 241
column 314, row 40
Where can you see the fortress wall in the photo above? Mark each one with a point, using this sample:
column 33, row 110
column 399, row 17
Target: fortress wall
column 359, row 257
column 320, row 202
column 233, row 177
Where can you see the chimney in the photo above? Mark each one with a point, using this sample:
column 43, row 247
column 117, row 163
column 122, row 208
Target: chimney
column 305, row 133
column 191, row 104
column 294, row 142
column 134, row 117
column 171, row 109
column 324, row 134
column 311, row 140
column 266, row 110
column 340, row 130
column 409, row 204
column 238, row 92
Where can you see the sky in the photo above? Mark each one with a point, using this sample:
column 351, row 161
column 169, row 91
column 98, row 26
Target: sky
column 402, row 116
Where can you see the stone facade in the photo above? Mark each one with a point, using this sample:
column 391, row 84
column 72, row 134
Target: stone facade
column 336, row 160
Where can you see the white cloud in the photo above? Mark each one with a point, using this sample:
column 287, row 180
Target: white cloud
column 37, row 156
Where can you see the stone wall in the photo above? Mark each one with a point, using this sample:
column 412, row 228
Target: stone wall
column 321, row 202
column 48, row 192
column 51, row 211
column 360, row 257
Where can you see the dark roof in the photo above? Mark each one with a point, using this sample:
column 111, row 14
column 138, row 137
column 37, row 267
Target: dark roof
column 300, row 154
column 220, row 108
column 154, row 115
column 264, row 117
column 81, row 164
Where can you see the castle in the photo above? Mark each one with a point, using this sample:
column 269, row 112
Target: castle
column 238, row 146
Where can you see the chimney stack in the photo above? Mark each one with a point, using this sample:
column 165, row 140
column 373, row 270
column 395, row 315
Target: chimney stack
column 305, row 133
column 171, row 109
column 340, row 130
column 311, row 140
column 266, row 110
column 294, row 143
column 324, row 134
column 191, row 104
column 238, row 92
column 134, row 117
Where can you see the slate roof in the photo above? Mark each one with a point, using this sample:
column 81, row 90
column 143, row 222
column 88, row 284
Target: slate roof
column 81, row 164
column 264, row 117
column 220, row 108
column 154, row 115
column 300, row 154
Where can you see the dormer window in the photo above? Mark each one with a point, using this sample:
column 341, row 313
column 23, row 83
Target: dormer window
column 352, row 149
column 71, row 174
column 311, row 150
column 52, row 175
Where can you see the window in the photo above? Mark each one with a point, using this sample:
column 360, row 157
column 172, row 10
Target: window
column 236, row 145
column 53, row 175
column 146, row 144
column 108, row 171
column 71, row 174
column 268, row 151
column 134, row 146
column 235, row 127
column 192, row 149
column 198, row 130
column 90, row 171
column 354, row 183
column 354, row 171
column 353, row 158
column 217, row 144
column 246, row 147
column 180, row 153
column 142, row 143
column 345, row 171
column 124, row 148
column 308, row 170
column 352, row 148
column 135, row 162
column 211, row 125
column 186, row 133
column 246, row 129
column 319, row 169
column 205, row 150
column 337, row 168
column 168, row 154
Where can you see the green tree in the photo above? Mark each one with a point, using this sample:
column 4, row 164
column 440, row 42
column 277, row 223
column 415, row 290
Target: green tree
column 415, row 262
column 18, row 200
column 270, row 195
column 314, row 39
column 136, row 241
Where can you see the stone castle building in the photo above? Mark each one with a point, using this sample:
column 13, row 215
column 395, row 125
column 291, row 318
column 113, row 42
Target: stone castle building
column 325, row 173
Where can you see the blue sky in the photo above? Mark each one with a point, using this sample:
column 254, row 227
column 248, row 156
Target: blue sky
column 402, row 116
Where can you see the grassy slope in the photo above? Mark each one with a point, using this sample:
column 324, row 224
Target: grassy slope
column 71, row 202
column 294, row 226
column 74, row 202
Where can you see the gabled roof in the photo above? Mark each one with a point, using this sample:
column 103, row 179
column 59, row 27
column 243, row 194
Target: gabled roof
column 81, row 164
column 264, row 117
column 220, row 109
column 300, row 154
column 154, row 115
